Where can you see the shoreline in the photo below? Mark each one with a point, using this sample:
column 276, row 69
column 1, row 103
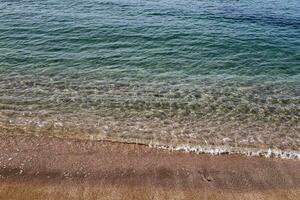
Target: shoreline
column 40, row 167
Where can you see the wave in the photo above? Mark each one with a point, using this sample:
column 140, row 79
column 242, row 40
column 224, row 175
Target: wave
column 213, row 150
column 219, row 150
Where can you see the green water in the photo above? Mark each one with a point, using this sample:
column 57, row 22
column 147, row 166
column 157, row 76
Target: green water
column 212, row 72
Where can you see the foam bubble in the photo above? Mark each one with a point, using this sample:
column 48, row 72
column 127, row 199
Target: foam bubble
column 218, row 150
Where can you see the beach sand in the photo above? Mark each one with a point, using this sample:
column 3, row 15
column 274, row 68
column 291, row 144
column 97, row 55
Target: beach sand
column 54, row 168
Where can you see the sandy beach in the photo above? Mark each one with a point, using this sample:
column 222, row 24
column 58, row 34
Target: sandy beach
column 53, row 168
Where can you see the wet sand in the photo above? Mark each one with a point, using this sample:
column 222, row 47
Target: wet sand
column 53, row 168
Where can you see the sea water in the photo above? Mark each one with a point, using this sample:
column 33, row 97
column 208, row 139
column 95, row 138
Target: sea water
column 204, row 73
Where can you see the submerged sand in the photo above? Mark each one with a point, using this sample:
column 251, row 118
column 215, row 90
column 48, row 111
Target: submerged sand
column 53, row 168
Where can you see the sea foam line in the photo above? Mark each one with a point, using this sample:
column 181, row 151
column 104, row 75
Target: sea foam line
column 213, row 150
column 218, row 150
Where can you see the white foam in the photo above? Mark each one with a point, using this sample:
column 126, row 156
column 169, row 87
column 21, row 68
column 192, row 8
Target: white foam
column 218, row 150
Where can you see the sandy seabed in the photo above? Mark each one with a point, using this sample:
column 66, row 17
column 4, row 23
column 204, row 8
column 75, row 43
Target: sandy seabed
column 53, row 168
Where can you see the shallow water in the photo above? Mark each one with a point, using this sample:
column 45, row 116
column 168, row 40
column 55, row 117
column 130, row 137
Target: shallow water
column 208, row 72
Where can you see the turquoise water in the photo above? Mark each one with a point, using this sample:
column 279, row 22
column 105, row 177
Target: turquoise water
column 211, row 72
